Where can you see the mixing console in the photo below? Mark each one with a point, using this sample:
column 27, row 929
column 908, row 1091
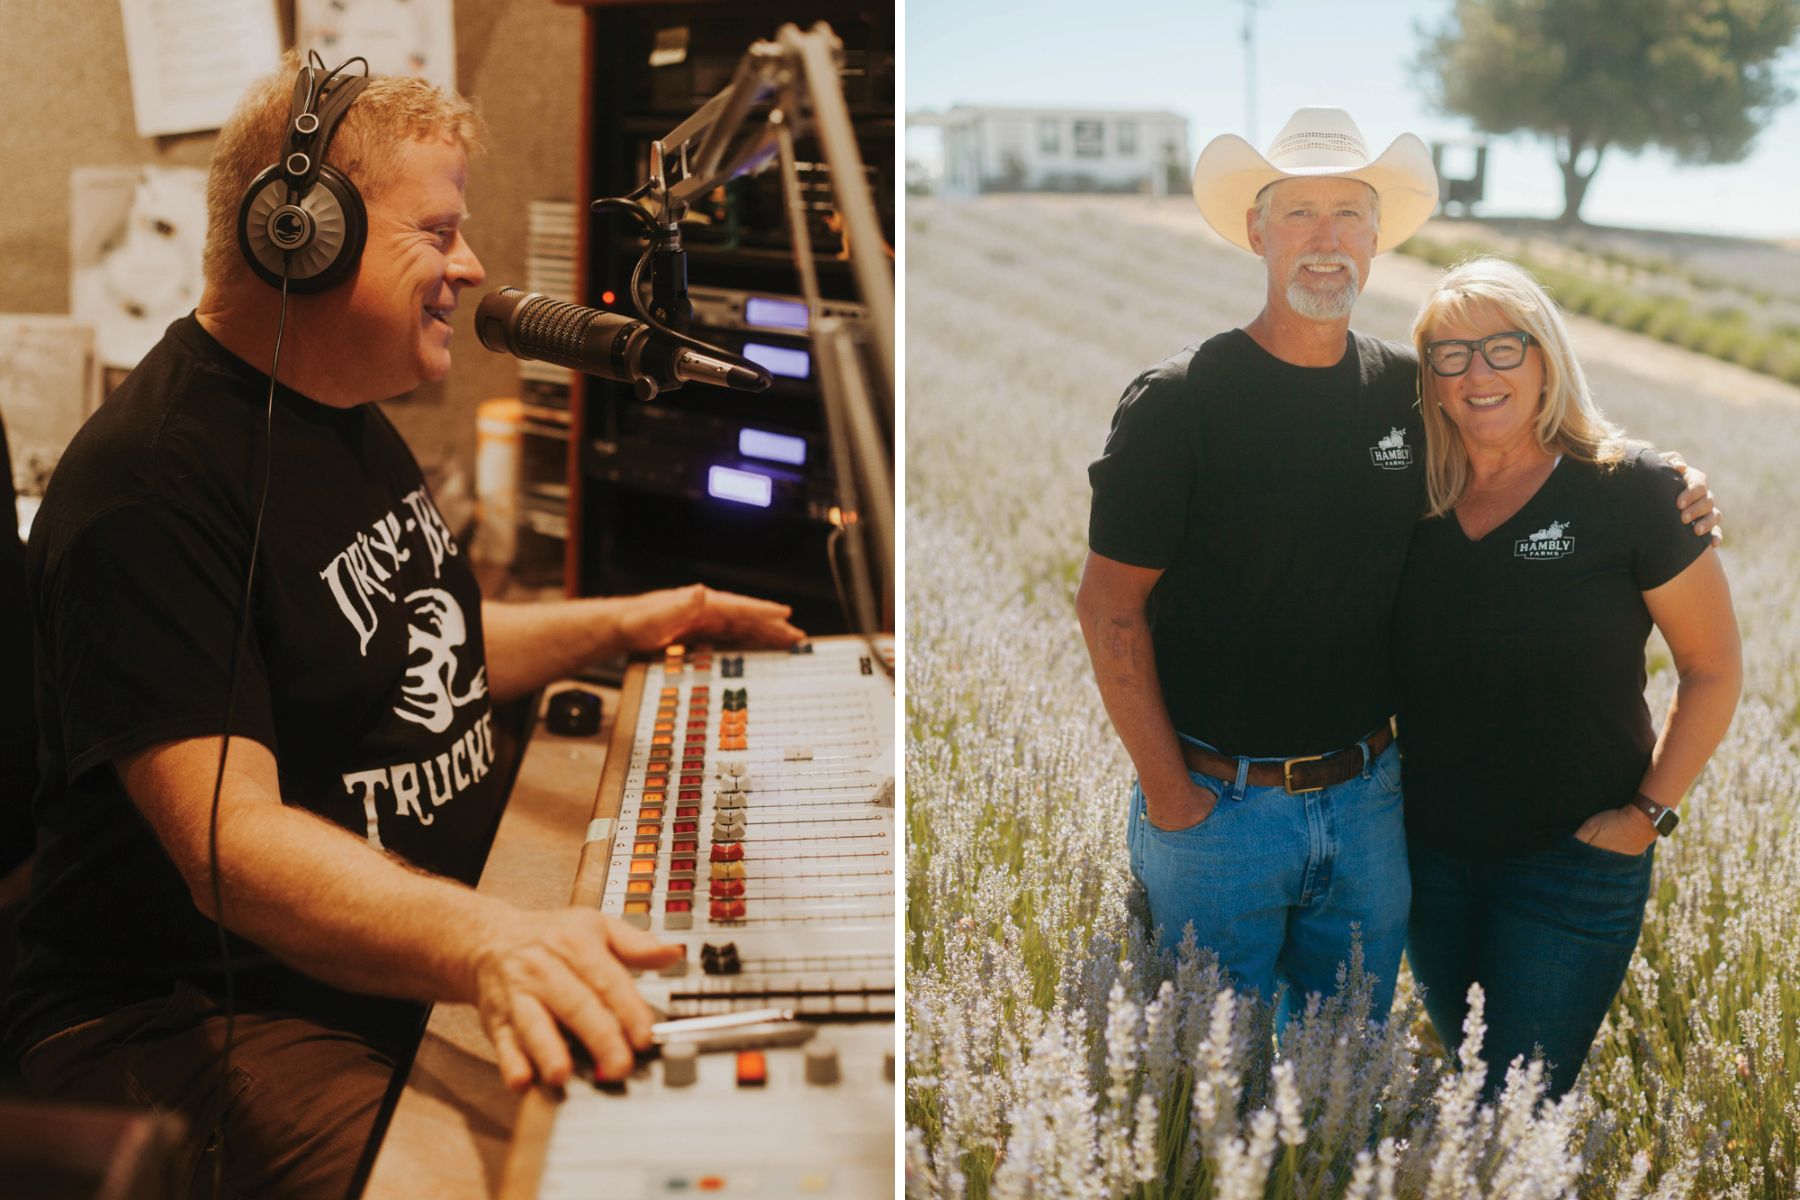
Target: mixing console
column 746, row 812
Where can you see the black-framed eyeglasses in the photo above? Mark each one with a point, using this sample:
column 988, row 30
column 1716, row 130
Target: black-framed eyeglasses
column 1452, row 356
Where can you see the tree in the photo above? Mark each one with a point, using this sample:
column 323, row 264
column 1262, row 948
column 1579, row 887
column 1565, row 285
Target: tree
column 1695, row 77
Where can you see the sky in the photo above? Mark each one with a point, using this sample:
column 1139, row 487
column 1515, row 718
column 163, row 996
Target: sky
column 1189, row 58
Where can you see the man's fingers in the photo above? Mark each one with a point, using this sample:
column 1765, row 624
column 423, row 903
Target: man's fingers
column 541, row 1039
column 637, row 948
column 601, row 971
column 515, row 1068
column 1695, row 503
column 600, row 1032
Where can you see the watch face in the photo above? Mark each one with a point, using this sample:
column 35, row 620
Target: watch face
column 1666, row 821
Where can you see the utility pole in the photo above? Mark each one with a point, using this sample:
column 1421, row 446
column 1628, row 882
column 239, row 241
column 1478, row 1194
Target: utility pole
column 1250, row 7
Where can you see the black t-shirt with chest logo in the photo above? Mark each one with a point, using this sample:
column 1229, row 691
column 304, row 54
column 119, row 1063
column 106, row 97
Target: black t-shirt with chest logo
column 1519, row 658
column 363, row 673
column 1278, row 502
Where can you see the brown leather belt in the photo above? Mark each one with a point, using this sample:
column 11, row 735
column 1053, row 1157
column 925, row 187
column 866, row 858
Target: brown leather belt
column 1312, row 773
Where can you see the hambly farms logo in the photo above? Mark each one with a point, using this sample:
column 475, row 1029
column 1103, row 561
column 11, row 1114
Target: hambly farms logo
column 1552, row 541
column 1392, row 453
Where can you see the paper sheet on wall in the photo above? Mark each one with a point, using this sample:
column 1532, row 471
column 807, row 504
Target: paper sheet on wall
column 135, row 241
column 49, row 385
column 398, row 37
column 191, row 59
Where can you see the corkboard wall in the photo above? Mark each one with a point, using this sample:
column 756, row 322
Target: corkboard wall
column 67, row 103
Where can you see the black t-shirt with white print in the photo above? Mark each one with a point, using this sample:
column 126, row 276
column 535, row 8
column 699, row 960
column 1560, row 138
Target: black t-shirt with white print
column 1278, row 502
column 363, row 672
column 1519, row 658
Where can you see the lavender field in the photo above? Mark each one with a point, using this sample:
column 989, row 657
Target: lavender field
column 1051, row 1052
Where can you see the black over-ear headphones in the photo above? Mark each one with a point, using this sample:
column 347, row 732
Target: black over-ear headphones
column 302, row 221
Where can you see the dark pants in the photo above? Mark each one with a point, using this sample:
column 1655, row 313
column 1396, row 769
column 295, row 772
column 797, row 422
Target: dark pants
column 300, row 1106
column 1547, row 935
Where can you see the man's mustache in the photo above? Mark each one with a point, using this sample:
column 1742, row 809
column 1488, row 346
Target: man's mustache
column 1332, row 259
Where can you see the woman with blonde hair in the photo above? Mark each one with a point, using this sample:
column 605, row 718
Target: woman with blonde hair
column 1536, row 785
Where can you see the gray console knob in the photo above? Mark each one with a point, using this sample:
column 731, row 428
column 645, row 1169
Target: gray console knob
column 821, row 1063
column 681, row 1061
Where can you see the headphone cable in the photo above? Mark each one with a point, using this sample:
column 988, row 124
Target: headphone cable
column 231, row 674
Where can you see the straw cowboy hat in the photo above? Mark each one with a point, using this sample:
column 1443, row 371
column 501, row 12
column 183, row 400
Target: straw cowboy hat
column 1316, row 141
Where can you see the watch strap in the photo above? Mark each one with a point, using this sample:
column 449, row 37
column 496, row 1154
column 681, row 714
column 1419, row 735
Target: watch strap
column 1664, row 819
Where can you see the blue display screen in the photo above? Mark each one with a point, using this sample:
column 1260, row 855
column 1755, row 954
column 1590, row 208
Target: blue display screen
column 779, row 360
column 740, row 487
column 776, row 314
column 776, row 447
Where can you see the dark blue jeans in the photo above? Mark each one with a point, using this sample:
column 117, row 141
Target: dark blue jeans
column 1547, row 935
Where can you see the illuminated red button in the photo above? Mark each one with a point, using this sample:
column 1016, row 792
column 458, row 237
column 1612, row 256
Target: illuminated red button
column 687, row 810
column 727, row 851
column 752, row 1071
column 711, row 1183
column 687, row 827
column 692, row 781
column 685, row 847
column 681, row 885
column 678, row 906
column 692, row 793
column 725, row 889
column 727, row 910
column 693, row 764
column 695, row 725
column 681, row 866
column 702, row 690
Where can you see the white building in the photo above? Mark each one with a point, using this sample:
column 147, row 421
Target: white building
column 1058, row 149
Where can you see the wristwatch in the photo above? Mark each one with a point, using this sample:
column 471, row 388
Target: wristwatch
column 1665, row 819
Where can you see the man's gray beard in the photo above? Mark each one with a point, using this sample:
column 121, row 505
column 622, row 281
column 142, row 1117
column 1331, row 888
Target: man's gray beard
column 1323, row 306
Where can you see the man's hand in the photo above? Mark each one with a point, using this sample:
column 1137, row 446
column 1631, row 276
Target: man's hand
column 1696, row 500
column 538, row 973
column 1624, row 830
column 1182, row 809
column 654, row 619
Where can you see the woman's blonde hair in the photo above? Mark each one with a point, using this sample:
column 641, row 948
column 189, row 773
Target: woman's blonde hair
column 1568, row 420
column 392, row 110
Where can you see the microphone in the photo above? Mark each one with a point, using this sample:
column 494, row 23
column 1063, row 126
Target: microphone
column 596, row 342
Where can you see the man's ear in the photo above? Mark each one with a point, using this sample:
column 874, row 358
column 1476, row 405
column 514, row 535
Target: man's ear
column 1255, row 234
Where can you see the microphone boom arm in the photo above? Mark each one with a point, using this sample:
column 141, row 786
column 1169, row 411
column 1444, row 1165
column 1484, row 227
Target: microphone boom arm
column 799, row 69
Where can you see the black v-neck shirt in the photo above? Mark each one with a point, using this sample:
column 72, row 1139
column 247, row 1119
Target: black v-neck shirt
column 1519, row 658
column 1278, row 501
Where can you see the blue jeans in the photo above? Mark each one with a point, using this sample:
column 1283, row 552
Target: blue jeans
column 1272, row 881
column 1547, row 935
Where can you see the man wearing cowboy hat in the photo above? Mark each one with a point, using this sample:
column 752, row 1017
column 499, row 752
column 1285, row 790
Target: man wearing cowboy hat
column 1251, row 515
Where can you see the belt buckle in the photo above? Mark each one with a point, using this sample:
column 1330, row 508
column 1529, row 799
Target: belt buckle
column 1287, row 775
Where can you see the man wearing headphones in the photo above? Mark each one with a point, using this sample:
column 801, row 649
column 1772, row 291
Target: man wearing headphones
column 337, row 839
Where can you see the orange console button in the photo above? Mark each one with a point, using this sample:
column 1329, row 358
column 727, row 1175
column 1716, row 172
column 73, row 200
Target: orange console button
column 752, row 1068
